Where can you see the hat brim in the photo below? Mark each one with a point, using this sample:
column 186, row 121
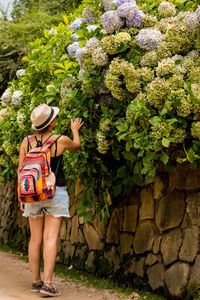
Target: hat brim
column 55, row 113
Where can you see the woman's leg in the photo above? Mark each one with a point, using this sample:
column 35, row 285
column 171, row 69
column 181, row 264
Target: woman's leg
column 35, row 245
column 50, row 237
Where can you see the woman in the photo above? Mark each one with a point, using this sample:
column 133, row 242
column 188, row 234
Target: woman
column 45, row 217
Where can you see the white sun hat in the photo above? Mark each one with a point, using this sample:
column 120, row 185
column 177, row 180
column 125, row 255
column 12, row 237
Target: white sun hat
column 43, row 115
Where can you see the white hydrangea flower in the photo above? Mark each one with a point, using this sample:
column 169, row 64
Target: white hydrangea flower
column 166, row 9
column 3, row 114
column 21, row 119
column 191, row 22
column 17, row 97
column 75, row 37
column 198, row 13
column 20, row 73
column 52, row 31
column 7, row 96
column 91, row 28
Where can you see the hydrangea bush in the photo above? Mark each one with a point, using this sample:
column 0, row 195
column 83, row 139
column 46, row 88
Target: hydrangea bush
column 131, row 70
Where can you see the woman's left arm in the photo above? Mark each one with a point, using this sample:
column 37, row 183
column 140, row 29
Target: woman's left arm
column 22, row 152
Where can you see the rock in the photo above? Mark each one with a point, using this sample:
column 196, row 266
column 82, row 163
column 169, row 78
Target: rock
column 69, row 250
column 195, row 272
column 63, row 230
column 81, row 220
column 99, row 227
column 137, row 267
column 73, row 209
column 81, row 252
column 126, row 241
column 144, row 237
column 92, row 238
column 156, row 276
column 130, row 218
column 81, row 238
column 184, row 178
column 147, row 204
column 114, row 226
column 79, row 188
column 156, row 244
column 170, row 245
column 193, row 208
column 151, row 259
column 176, row 278
column 113, row 258
column 90, row 260
column 190, row 244
column 74, row 230
column 134, row 296
column 69, row 226
column 158, row 188
column 170, row 210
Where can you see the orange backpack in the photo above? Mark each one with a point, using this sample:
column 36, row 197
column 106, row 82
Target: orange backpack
column 36, row 181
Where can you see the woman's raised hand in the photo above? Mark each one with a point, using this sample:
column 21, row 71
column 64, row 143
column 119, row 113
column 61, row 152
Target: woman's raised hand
column 76, row 124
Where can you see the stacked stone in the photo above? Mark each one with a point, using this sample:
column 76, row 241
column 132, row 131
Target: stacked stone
column 153, row 237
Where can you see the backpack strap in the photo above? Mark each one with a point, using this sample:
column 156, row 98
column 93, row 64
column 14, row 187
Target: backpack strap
column 51, row 140
column 31, row 139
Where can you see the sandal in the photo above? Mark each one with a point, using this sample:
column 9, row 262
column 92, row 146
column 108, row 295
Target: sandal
column 51, row 290
column 36, row 286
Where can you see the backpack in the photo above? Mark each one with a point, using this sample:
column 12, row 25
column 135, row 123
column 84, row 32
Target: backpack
column 36, row 181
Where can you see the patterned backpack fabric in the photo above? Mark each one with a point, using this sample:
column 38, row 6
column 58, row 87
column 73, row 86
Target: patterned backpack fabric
column 36, row 181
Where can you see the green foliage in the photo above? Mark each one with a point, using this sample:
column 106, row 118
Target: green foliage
column 53, row 7
column 139, row 102
column 29, row 20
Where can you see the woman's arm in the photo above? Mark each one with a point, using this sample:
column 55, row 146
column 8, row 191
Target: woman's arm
column 74, row 144
column 22, row 152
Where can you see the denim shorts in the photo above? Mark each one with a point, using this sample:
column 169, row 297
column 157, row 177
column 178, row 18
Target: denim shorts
column 58, row 206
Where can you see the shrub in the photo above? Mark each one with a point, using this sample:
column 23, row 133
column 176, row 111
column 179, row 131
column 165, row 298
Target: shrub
column 133, row 77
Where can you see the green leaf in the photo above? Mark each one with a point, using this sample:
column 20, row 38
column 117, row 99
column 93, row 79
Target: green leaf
column 155, row 120
column 122, row 172
column 87, row 216
column 117, row 190
column 164, row 158
column 129, row 155
column 165, row 142
column 171, row 121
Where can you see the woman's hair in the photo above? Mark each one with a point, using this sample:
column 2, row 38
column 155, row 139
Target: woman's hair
column 44, row 129
column 48, row 128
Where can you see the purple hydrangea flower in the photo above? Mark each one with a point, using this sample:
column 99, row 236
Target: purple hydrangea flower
column 72, row 48
column 135, row 19
column 198, row 13
column 111, row 21
column 92, row 44
column 148, row 38
column 120, row 2
column 80, row 54
column 108, row 4
column 123, row 10
column 76, row 24
column 131, row 13
column 88, row 15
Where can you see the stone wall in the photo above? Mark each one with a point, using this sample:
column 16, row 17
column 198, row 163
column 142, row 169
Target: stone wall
column 151, row 239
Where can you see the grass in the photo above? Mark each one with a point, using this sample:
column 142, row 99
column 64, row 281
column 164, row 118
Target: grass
column 89, row 280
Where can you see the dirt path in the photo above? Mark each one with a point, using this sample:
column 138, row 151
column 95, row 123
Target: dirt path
column 15, row 283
